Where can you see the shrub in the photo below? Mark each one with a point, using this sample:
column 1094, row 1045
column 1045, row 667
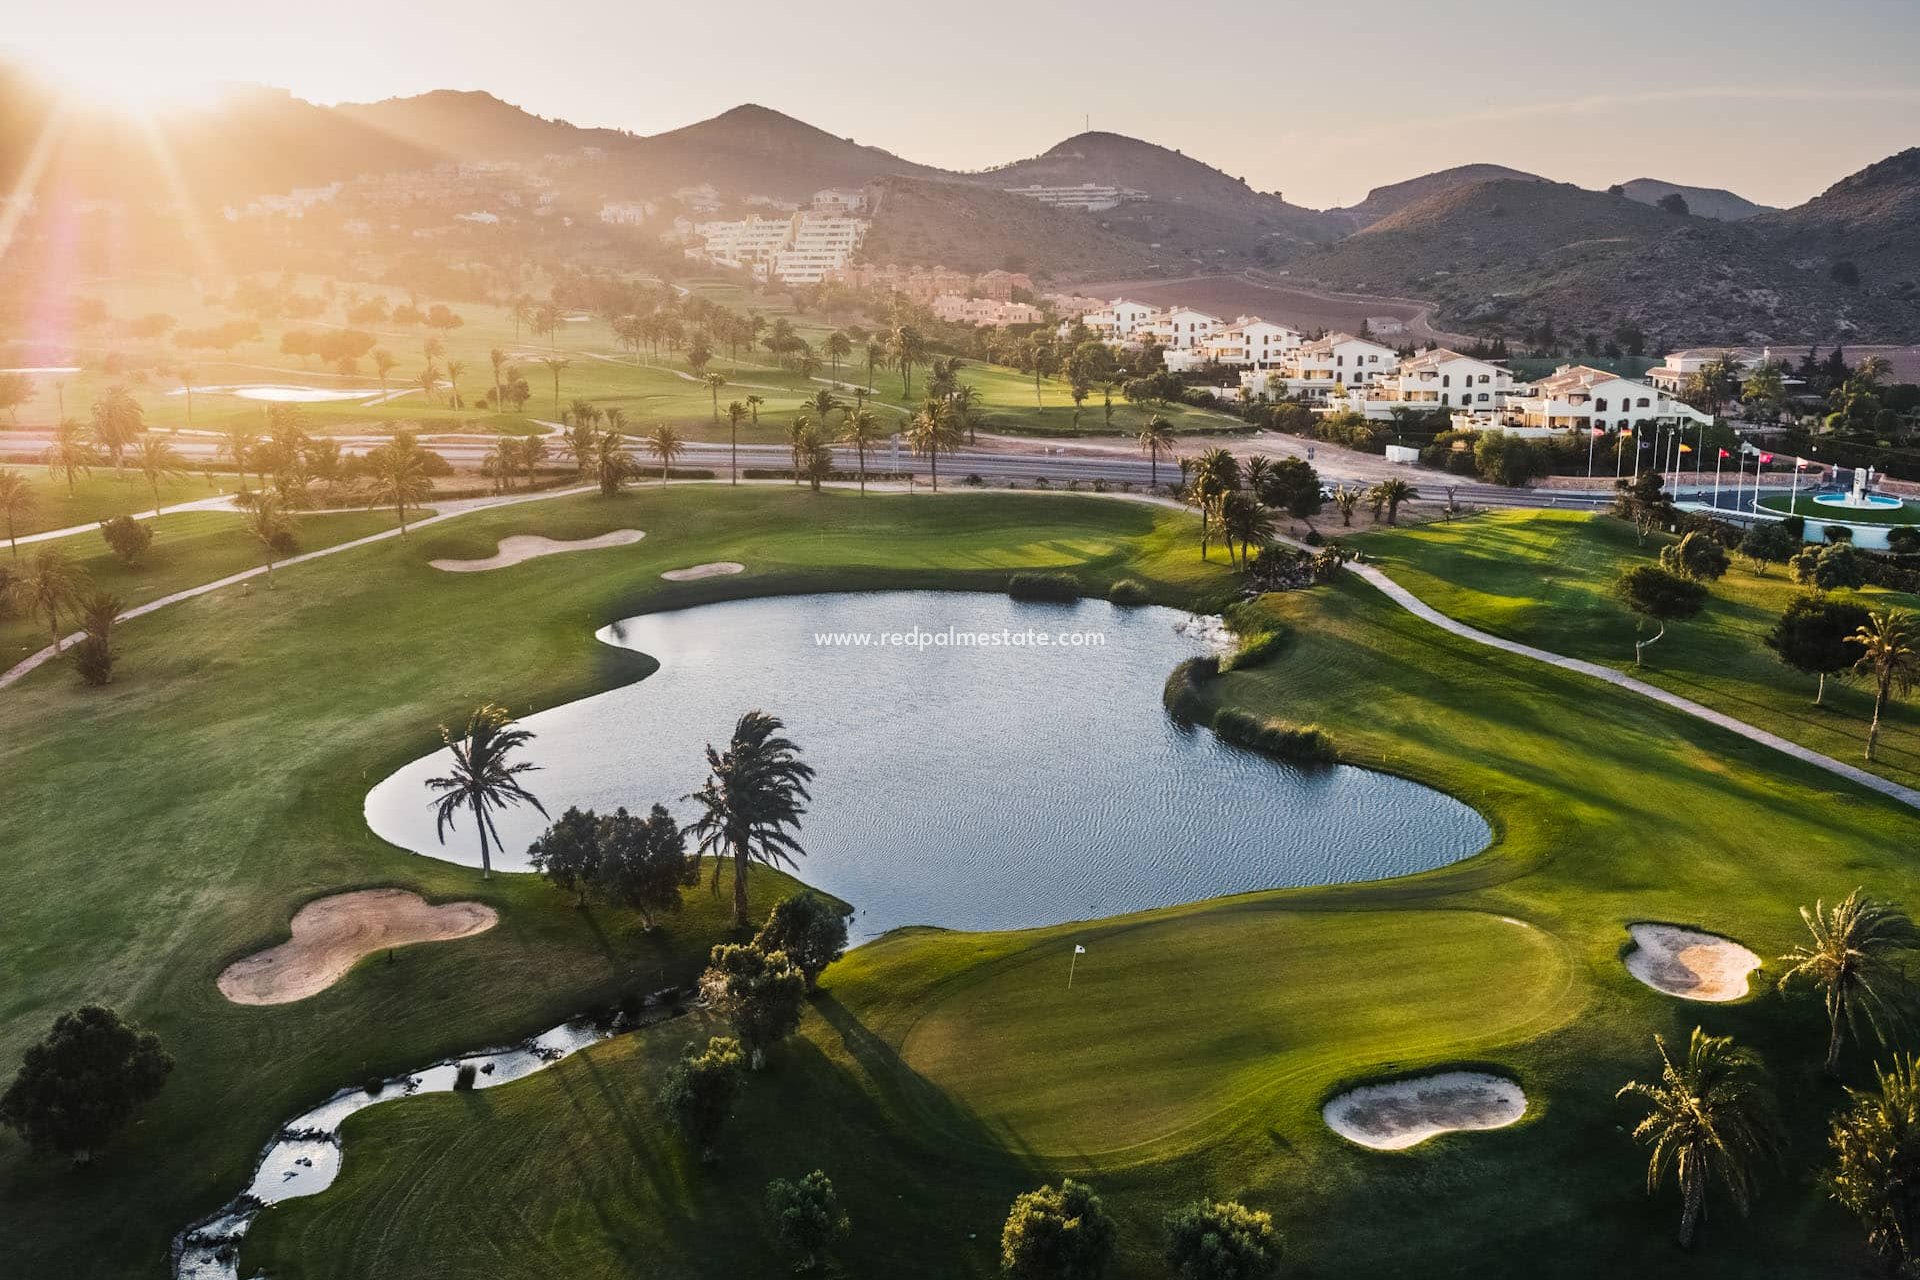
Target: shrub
column 810, row 928
column 700, row 1089
column 1298, row 744
column 1059, row 1233
column 126, row 537
column 807, row 1215
column 1181, row 694
column 759, row 992
column 1044, row 586
column 374, row 1086
column 1796, row 527
column 81, row 1085
column 1903, row 540
column 1128, row 591
column 463, row 1078
column 1696, row 556
column 1221, row 1240
column 1768, row 543
column 1830, row 568
column 1838, row 532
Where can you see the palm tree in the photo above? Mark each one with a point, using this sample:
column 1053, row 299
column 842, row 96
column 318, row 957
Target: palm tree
column 428, row 379
column 433, row 348
column 157, row 461
column 813, row 455
column 714, row 382
column 17, row 502
column 1245, row 517
column 397, row 476
column 610, row 462
column 239, row 444
column 554, row 365
column 823, row 404
column 1890, row 653
column 498, row 359
column 753, row 404
column 186, row 376
column 483, row 780
column 1710, row 1119
column 383, row 363
column 796, row 435
column 1858, row 961
column 907, row 347
column 666, row 444
column 48, row 584
column 860, row 430
column 1155, row 436
column 876, row 356
column 270, row 525
column 454, row 369
column 1346, row 497
column 118, row 421
column 69, row 452
column 522, row 313
column 579, row 441
column 753, row 793
column 838, row 347
column 1394, row 492
column 502, row 463
column 933, row 432
column 735, row 412
column 1215, row 475
column 1873, row 1142
column 965, row 399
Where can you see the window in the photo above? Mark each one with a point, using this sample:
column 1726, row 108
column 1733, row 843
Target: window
column 1643, row 402
column 1483, row 397
column 1446, row 380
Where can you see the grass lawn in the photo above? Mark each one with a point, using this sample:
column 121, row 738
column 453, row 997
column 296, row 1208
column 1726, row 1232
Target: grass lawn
column 1906, row 513
column 173, row 822
column 1545, row 578
column 104, row 495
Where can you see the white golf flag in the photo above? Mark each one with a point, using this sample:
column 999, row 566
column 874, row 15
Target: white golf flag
column 1079, row 950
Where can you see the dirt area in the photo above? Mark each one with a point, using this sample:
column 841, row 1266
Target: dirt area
column 331, row 935
column 1394, row 1116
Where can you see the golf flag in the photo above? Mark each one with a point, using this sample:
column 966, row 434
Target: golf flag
column 1725, row 454
column 1079, row 950
column 1765, row 458
column 1686, row 448
column 1599, row 431
column 1801, row 463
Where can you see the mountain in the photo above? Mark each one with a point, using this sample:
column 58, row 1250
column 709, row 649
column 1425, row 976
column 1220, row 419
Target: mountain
column 1870, row 218
column 1517, row 257
column 1193, row 212
column 969, row 227
column 753, row 150
column 472, row 125
column 1702, row 202
column 1385, row 201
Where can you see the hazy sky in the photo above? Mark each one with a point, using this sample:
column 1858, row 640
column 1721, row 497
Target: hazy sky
column 1772, row 98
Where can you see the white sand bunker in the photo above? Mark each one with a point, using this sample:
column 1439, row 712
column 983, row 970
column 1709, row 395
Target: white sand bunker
column 1688, row 963
column 330, row 935
column 523, row 547
column 1389, row 1117
column 717, row 568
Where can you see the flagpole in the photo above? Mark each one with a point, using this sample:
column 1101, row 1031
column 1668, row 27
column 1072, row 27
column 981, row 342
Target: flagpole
column 1716, row 480
column 1793, row 493
column 1593, row 434
column 1620, row 458
column 1070, row 964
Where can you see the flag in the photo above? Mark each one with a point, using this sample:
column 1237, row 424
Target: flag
column 1725, row 454
column 1801, row 463
column 1686, row 448
column 1599, row 431
column 1626, row 431
column 1079, row 950
column 1765, row 458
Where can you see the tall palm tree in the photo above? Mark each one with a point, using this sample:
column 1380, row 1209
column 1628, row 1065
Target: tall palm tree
column 1858, row 961
column 454, row 369
column 862, row 430
column 49, row 584
column 428, row 380
column 118, row 421
column 157, row 461
column 498, row 359
column 240, row 445
column 554, row 365
column 483, row 778
column 1215, row 475
column 397, row 476
column 823, row 404
column 1874, row 1142
column 1245, row 517
column 797, row 431
column 1890, row 653
column 579, row 441
column 965, row 400
column 754, row 791
column 186, row 376
column 838, row 347
column 753, row 404
column 17, row 502
column 876, row 356
column 611, row 465
column 934, row 432
column 714, row 382
column 383, row 363
column 270, row 524
column 1155, row 436
column 735, row 412
column 69, row 452
column 1394, row 492
column 1710, row 1119
column 666, row 444
column 907, row 347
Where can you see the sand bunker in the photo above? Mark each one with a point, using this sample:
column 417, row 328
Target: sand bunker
column 1688, row 963
column 1389, row 1117
column 330, row 935
column 714, row 570
column 524, row 547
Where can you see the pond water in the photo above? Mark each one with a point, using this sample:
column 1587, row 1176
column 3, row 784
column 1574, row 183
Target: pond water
column 975, row 787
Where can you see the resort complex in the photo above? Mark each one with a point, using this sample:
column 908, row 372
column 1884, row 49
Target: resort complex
column 587, row 695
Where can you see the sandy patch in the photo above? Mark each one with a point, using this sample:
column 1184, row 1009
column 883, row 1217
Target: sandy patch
column 523, row 547
column 1689, row 964
column 330, row 935
column 1389, row 1117
column 716, row 569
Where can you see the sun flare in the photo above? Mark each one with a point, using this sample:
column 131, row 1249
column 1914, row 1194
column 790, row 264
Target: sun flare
column 124, row 81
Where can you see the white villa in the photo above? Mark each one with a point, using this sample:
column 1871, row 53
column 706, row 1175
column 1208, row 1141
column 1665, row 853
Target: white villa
column 1118, row 321
column 1324, row 368
column 1088, row 197
column 1671, row 376
column 1248, row 343
column 802, row 249
column 1436, row 379
column 1181, row 328
column 984, row 311
column 1578, row 396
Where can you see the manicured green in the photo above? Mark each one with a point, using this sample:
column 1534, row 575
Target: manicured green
column 1905, row 513
column 1546, row 578
column 937, row 1074
column 103, row 495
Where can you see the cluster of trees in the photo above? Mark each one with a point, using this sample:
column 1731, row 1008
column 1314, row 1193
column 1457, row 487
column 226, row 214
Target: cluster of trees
column 1066, row 1233
column 1712, row 1120
column 1238, row 503
column 340, row 349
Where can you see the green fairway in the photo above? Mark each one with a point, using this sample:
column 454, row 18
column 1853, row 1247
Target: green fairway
column 104, row 495
column 1546, row 578
column 1906, row 513
column 937, row 1073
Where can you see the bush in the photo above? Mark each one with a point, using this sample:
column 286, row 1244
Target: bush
column 1838, row 532
column 1903, row 540
column 700, row 1089
column 1830, row 568
column 463, row 1078
column 810, row 928
column 1128, row 591
column 1768, row 543
column 1297, row 744
column 1061, row 587
column 1057, row 1234
column 1181, row 694
column 807, row 1215
column 1796, row 527
column 126, row 537
column 83, row 1083
column 1221, row 1240
column 1696, row 556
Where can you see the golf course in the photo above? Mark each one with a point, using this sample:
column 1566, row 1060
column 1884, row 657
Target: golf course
column 174, row 822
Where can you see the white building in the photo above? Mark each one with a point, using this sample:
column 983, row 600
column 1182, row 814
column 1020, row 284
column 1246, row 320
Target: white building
column 1248, row 343
column 1088, row 197
column 840, row 200
column 801, row 249
column 1672, row 375
column 1179, row 329
column 956, row 309
column 1436, row 379
column 1323, row 368
column 1118, row 321
column 626, row 213
column 1575, row 397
